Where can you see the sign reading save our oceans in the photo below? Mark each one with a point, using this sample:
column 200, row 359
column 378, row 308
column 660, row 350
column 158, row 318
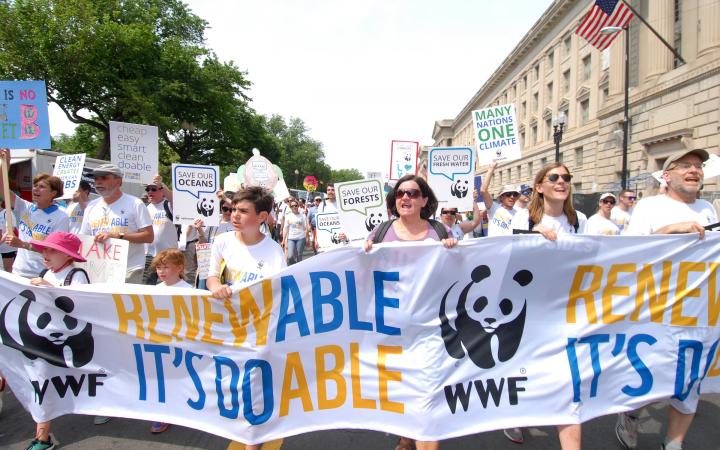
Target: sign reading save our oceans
column 496, row 134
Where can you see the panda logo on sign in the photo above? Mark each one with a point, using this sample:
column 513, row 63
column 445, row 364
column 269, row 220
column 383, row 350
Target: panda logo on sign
column 206, row 206
column 47, row 333
column 486, row 324
column 459, row 188
column 373, row 220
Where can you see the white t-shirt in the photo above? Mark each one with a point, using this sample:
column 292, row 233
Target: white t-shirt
column 655, row 212
column 327, row 206
column 5, row 248
column 127, row 214
column 58, row 278
column 620, row 218
column 75, row 217
column 500, row 220
column 180, row 284
column 457, row 232
column 35, row 223
column 296, row 223
column 559, row 225
column 597, row 224
column 244, row 264
column 163, row 229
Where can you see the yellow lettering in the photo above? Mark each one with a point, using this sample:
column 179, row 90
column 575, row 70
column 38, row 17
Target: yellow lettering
column 210, row 318
column 182, row 315
column 577, row 293
column 612, row 289
column 248, row 307
column 385, row 376
column 153, row 315
column 683, row 292
column 335, row 374
column 293, row 366
column 713, row 296
column 358, row 400
column 125, row 316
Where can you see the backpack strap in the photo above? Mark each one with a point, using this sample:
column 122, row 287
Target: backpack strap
column 381, row 230
column 42, row 273
column 439, row 228
column 73, row 271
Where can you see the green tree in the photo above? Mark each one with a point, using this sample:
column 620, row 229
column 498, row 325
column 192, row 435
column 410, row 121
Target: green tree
column 341, row 175
column 140, row 61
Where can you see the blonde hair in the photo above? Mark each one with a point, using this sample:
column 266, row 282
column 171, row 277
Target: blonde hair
column 169, row 256
column 536, row 208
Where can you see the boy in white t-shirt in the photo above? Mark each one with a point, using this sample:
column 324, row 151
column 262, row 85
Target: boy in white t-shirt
column 500, row 213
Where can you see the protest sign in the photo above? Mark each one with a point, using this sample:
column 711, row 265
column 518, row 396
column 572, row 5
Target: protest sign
column 231, row 183
column 496, row 134
column 24, row 115
column 69, row 168
column 411, row 339
column 280, row 191
column 258, row 171
column 203, row 260
column 106, row 261
column 403, row 158
column 194, row 194
column 450, row 175
column 134, row 149
column 361, row 205
column 328, row 229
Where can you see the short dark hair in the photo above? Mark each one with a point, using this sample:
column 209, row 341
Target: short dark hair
column 430, row 207
column 625, row 191
column 84, row 186
column 258, row 196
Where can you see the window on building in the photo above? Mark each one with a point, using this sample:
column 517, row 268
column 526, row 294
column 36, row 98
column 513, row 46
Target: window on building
column 566, row 81
column 578, row 157
column 501, row 176
column 577, row 187
column 677, row 35
column 522, row 139
column 514, row 90
column 518, row 172
column 530, row 170
column 585, row 111
column 587, row 67
column 535, row 102
column 509, row 176
column 604, row 96
column 533, row 135
column 536, row 71
column 567, row 116
column 560, row 157
column 567, row 44
column 548, row 128
column 543, row 162
column 449, row 142
column 524, row 85
column 549, row 93
column 551, row 60
column 523, row 109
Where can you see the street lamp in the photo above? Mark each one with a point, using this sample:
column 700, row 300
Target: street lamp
column 188, row 129
column 558, row 126
column 626, row 119
column 297, row 172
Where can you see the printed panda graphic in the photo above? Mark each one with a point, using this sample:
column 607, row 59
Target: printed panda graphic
column 335, row 239
column 206, row 206
column 51, row 334
column 373, row 220
column 459, row 188
column 481, row 320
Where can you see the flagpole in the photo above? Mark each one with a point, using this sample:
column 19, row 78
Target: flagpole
column 637, row 14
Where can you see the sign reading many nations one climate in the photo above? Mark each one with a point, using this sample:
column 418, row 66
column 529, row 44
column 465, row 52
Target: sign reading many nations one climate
column 496, row 134
column 24, row 115
column 411, row 339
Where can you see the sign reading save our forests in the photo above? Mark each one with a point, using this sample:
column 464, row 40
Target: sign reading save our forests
column 496, row 134
column 134, row 149
column 24, row 115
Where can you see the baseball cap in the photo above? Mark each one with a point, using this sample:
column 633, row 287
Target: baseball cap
column 700, row 153
column 525, row 189
column 107, row 169
column 606, row 195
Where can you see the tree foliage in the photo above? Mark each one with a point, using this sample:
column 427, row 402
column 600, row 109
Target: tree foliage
column 341, row 175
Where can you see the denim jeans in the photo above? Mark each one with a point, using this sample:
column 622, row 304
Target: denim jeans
column 295, row 246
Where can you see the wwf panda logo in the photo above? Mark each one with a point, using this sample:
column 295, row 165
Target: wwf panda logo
column 206, row 206
column 502, row 320
column 335, row 239
column 51, row 334
column 459, row 188
column 373, row 220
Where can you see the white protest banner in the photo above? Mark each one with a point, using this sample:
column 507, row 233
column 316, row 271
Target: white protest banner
column 411, row 339
column 328, row 229
column 450, row 175
column 280, row 191
column 134, row 149
column 69, row 169
column 194, row 194
column 106, row 261
column 496, row 134
column 361, row 205
column 203, row 260
column 403, row 158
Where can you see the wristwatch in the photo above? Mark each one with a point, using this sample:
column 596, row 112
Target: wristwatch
column 122, row 236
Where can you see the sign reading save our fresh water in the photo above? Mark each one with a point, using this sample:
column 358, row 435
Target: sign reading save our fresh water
column 411, row 339
column 24, row 115
column 450, row 175
column 194, row 194
column 496, row 135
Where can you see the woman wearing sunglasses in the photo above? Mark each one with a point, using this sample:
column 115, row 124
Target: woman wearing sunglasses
column 295, row 232
column 601, row 222
column 449, row 217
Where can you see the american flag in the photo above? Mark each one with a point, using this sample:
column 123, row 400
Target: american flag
column 604, row 13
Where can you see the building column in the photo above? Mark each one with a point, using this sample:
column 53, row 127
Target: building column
column 709, row 26
column 661, row 14
column 616, row 84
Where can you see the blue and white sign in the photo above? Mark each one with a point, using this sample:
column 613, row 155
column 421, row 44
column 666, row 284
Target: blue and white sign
column 194, row 194
column 24, row 115
column 450, row 175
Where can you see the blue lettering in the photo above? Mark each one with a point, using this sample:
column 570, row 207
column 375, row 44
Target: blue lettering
column 267, row 392
column 159, row 350
column 330, row 299
column 646, row 378
column 355, row 323
column 221, row 361
column 200, row 402
column 382, row 302
column 288, row 288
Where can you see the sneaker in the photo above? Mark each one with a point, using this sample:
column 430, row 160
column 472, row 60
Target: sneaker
column 514, row 434
column 626, row 430
column 159, row 427
column 101, row 420
column 37, row 444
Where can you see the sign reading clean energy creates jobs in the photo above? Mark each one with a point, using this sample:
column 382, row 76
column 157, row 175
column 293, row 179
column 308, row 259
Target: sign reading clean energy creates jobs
column 194, row 194
column 496, row 134
column 411, row 339
column 361, row 205
column 69, row 169
column 450, row 175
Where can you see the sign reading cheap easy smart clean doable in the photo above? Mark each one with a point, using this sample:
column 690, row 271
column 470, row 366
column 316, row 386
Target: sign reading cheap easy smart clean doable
column 134, row 149
column 24, row 115
column 194, row 194
column 450, row 175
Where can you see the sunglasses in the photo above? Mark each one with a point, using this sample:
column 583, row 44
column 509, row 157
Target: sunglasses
column 608, row 201
column 151, row 189
column 411, row 193
column 554, row 177
column 317, row 200
column 512, row 194
column 226, row 209
column 632, row 199
column 294, row 206
column 452, row 213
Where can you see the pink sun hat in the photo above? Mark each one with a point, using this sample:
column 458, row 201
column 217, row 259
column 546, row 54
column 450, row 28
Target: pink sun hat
column 63, row 242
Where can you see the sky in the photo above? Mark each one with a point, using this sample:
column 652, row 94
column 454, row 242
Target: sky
column 361, row 74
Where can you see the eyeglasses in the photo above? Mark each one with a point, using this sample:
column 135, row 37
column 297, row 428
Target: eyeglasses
column 294, row 206
column 411, row 193
column 687, row 166
column 226, row 209
column 554, row 177
column 452, row 213
column 151, row 189
column 317, row 200
column 512, row 194
column 608, row 201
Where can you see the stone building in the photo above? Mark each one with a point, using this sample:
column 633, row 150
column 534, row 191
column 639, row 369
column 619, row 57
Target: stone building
column 672, row 105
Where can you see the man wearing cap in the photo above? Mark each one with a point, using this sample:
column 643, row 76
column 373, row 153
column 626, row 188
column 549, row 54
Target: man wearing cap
column 676, row 211
column 600, row 223
column 120, row 216
column 524, row 200
column 500, row 213
column 621, row 213
column 165, row 234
